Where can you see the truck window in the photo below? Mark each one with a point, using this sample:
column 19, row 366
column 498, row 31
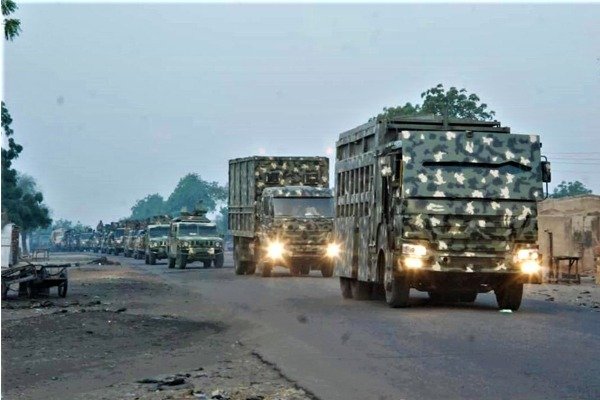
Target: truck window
column 314, row 207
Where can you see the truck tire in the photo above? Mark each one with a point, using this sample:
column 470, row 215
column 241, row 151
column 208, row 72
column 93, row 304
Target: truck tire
column 345, row 287
column 327, row 270
column 206, row 264
column 361, row 290
column 295, row 270
column 468, row 297
column 219, row 260
column 250, row 268
column 171, row 262
column 240, row 267
column 146, row 259
column 305, row 270
column 266, row 270
column 62, row 289
column 509, row 296
column 398, row 292
column 181, row 261
column 152, row 259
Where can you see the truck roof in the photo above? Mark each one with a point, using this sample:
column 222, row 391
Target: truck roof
column 275, row 158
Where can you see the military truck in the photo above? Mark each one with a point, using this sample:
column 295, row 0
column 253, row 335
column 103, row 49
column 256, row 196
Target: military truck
column 128, row 243
column 156, row 240
column 444, row 206
column 139, row 244
column 281, row 214
column 193, row 237
column 116, row 241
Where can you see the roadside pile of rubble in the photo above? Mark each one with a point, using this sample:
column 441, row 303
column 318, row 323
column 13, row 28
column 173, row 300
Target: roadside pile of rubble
column 586, row 296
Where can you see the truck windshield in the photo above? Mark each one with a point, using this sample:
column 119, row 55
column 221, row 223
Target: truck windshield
column 313, row 207
column 158, row 231
column 196, row 230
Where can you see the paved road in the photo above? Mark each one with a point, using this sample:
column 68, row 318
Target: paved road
column 346, row 349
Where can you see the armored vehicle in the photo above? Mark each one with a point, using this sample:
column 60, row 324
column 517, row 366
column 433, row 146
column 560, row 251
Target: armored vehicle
column 116, row 241
column 192, row 237
column 128, row 243
column 139, row 244
column 156, row 240
column 281, row 214
column 448, row 207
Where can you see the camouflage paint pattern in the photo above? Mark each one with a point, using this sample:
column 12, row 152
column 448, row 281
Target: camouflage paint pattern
column 256, row 181
column 196, row 248
column 469, row 195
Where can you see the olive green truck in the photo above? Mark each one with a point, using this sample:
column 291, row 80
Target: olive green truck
column 281, row 214
column 447, row 207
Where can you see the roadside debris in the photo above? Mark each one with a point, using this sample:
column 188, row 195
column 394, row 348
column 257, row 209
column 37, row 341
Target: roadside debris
column 102, row 261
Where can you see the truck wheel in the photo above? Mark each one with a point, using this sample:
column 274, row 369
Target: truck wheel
column 152, row 259
column 295, row 270
column 361, row 290
column 147, row 259
column 509, row 296
column 345, row 287
column 397, row 292
column 250, row 268
column 305, row 270
column 240, row 267
column 62, row 289
column 206, row 264
column 266, row 270
column 219, row 260
column 327, row 270
column 171, row 262
column 180, row 261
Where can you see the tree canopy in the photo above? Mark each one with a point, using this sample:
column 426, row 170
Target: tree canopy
column 566, row 189
column 12, row 26
column 190, row 190
column 455, row 103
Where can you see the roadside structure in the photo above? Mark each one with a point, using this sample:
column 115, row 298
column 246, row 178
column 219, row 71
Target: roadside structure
column 570, row 227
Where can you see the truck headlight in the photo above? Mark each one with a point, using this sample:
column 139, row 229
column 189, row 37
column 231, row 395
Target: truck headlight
column 414, row 250
column 275, row 250
column 333, row 250
column 185, row 244
column 413, row 263
column 530, row 267
column 527, row 254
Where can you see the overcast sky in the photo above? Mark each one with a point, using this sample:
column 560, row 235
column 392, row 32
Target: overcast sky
column 113, row 102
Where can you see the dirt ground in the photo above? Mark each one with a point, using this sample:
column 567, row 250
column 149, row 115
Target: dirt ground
column 121, row 334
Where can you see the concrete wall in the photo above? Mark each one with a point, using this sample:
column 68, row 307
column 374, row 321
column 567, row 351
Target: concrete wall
column 575, row 225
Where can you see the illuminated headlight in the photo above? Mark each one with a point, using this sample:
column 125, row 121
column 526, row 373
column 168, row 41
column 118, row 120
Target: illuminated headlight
column 275, row 250
column 333, row 250
column 413, row 263
column 218, row 244
column 153, row 244
column 527, row 254
column 530, row 267
column 211, row 250
column 185, row 243
column 415, row 250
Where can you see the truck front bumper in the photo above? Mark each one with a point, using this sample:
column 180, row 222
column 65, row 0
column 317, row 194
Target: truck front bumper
column 202, row 254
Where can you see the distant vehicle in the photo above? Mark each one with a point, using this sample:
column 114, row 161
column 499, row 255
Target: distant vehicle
column 281, row 214
column 85, row 241
column 116, row 241
column 448, row 207
column 139, row 244
column 128, row 243
column 155, row 243
column 193, row 237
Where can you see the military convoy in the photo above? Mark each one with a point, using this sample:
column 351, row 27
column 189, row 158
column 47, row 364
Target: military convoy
column 443, row 206
column 448, row 207
column 281, row 214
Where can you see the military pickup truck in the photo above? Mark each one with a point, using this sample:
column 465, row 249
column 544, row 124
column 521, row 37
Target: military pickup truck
column 128, row 243
column 193, row 237
column 281, row 214
column 447, row 207
column 156, row 240
column 116, row 241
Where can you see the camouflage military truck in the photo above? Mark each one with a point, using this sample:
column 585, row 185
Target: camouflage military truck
column 139, row 244
column 128, row 242
column 281, row 214
column 448, row 207
column 156, row 240
column 116, row 241
column 193, row 237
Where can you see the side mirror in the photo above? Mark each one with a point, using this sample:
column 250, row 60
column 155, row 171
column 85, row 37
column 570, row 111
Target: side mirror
column 546, row 171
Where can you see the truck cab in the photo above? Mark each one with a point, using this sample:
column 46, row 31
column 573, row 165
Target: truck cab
column 155, row 243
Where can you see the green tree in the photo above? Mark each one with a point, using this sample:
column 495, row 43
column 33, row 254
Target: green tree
column 191, row 190
column 454, row 103
column 566, row 189
column 12, row 26
column 149, row 206
column 11, row 195
column 221, row 220
column 30, row 212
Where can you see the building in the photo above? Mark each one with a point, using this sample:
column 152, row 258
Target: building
column 570, row 226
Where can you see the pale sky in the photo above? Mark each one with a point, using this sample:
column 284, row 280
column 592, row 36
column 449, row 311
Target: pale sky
column 113, row 102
